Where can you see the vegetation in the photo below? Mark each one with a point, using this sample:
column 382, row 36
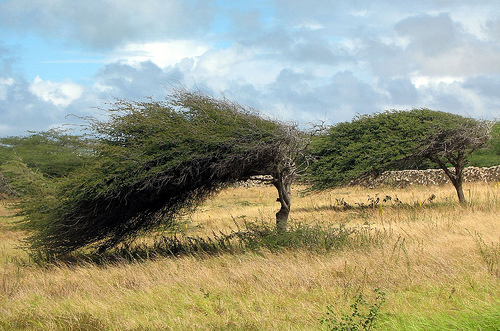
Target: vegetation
column 488, row 155
column 397, row 140
column 126, row 231
column 437, row 265
column 362, row 317
column 29, row 163
column 54, row 153
column 155, row 161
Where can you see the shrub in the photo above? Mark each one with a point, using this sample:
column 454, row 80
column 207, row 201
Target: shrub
column 362, row 316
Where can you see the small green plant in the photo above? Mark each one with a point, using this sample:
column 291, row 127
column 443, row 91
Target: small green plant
column 362, row 317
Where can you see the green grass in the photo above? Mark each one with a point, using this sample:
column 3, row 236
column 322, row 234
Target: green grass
column 480, row 318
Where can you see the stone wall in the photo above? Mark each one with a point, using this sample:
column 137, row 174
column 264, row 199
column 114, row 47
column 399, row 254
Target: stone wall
column 406, row 178
column 255, row 181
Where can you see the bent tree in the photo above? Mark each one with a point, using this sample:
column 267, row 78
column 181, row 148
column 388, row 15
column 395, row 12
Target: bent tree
column 451, row 142
column 284, row 170
column 397, row 140
column 155, row 161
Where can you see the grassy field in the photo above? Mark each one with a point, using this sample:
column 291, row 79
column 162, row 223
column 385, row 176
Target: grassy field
column 437, row 262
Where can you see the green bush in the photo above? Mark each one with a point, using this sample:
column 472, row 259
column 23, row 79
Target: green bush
column 53, row 153
column 22, row 180
column 362, row 317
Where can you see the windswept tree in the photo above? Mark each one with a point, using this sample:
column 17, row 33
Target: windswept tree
column 396, row 140
column 155, row 161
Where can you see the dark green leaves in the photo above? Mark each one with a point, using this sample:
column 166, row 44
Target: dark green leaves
column 153, row 161
column 393, row 140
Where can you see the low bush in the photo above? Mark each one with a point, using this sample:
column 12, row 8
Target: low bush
column 362, row 316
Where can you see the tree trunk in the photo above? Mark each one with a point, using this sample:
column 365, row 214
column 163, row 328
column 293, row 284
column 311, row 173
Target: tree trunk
column 283, row 180
column 460, row 193
column 282, row 217
column 456, row 178
column 457, row 181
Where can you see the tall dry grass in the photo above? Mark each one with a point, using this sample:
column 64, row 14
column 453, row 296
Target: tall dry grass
column 436, row 256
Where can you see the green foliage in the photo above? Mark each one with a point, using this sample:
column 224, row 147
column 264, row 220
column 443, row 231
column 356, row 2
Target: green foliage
column 393, row 140
column 153, row 162
column 23, row 180
column 489, row 155
column 312, row 238
column 362, row 316
column 53, row 153
column 29, row 164
column 5, row 186
column 365, row 145
column 494, row 143
column 484, row 158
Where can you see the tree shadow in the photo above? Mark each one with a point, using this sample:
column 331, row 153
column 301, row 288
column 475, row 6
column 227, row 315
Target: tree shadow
column 254, row 238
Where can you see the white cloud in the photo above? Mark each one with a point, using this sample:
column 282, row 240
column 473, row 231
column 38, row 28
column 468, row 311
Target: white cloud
column 160, row 53
column 107, row 24
column 298, row 60
column 6, row 81
column 220, row 62
column 473, row 20
column 467, row 60
column 312, row 25
column 244, row 64
column 425, row 81
column 4, row 85
column 59, row 94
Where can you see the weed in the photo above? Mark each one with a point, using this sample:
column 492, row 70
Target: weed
column 362, row 317
column 9, row 283
column 490, row 255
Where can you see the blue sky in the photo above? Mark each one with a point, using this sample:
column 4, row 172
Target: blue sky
column 301, row 61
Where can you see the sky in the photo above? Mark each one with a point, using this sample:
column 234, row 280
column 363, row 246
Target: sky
column 300, row 61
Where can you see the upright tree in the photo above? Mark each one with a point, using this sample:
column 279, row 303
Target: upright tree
column 155, row 161
column 395, row 140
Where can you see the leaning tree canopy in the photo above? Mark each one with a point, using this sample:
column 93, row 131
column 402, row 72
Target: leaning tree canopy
column 154, row 161
column 393, row 140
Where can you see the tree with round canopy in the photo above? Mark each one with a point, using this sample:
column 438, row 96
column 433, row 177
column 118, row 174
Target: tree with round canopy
column 396, row 140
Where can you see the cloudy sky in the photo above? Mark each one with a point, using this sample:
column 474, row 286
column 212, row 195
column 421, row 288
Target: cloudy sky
column 294, row 60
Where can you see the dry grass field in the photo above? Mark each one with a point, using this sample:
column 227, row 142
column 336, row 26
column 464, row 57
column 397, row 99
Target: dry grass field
column 437, row 262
